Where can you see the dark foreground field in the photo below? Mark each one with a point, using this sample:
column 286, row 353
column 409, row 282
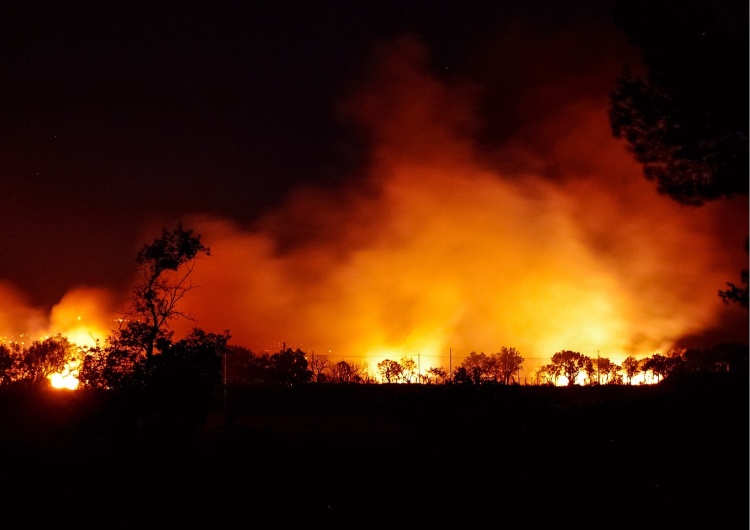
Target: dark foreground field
column 380, row 456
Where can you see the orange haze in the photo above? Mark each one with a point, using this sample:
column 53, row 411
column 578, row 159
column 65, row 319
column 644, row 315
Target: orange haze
column 553, row 241
column 441, row 254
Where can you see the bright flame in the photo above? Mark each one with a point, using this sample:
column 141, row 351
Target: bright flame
column 444, row 254
column 67, row 379
column 82, row 316
column 550, row 240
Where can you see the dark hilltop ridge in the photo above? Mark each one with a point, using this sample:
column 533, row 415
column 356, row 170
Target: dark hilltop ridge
column 372, row 456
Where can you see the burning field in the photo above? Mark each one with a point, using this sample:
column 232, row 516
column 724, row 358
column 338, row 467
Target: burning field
column 445, row 244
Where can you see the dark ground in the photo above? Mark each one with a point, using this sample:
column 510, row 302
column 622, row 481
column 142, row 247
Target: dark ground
column 372, row 456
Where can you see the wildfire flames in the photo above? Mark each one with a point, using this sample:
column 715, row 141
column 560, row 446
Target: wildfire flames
column 552, row 241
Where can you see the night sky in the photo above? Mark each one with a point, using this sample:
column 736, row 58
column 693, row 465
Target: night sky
column 281, row 131
column 119, row 112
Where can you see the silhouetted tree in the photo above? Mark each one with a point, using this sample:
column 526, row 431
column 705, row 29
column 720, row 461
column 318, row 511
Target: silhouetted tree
column 675, row 360
column 658, row 365
column 10, row 362
column 606, row 370
column 44, row 358
column 571, row 363
column 439, row 374
column 615, row 376
column 721, row 358
column 165, row 268
column 111, row 367
column 686, row 120
column 390, row 371
column 341, row 372
column 182, row 380
column 238, row 365
column 409, row 370
column 548, row 374
column 344, row 372
column 461, row 376
column 478, row 367
column 590, row 369
column 508, row 363
column 288, row 367
column 164, row 386
column 735, row 294
column 631, row 365
column 732, row 357
column 320, row 367
column 255, row 369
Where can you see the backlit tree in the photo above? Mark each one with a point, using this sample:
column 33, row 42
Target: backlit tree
column 10, row 360
column 509, row 362
column 321, row 368
column 165, row 266
column 685, row 119
column 409, row 369
column 46, row 357
column 570, row 363
column 390, row 371
column 631, row 365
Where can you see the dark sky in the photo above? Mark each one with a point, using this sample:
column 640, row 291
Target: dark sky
column 117, row 111
column 119, row 118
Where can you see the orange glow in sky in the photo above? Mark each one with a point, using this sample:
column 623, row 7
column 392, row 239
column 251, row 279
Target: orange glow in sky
column 552, row 241
column 444, row 252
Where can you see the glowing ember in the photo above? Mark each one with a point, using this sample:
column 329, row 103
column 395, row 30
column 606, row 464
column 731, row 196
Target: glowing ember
column 67, row 379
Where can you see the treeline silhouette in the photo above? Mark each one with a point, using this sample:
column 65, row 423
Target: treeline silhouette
column 207, row 360
column 168, row 432
column 286, row 449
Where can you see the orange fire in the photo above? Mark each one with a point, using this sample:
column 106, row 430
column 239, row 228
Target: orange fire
column 443, row 252
column 551, row 241
column 67, row 379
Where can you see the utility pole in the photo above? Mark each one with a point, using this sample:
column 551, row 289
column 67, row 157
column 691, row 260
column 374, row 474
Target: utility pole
column 598, row 379
column 226, row 408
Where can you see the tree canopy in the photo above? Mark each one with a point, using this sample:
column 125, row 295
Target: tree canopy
column 686, row 120
column 165, row 267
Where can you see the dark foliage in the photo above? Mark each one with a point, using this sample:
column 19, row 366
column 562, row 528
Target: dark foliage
column 284, row 368
column 165, row 268
column 686, row 121
column 737, row 294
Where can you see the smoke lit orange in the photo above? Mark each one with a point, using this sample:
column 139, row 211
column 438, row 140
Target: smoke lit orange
column 550, row 241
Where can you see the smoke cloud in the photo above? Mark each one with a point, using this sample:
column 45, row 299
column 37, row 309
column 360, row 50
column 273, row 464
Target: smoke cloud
column 440, row 252
column 547, row 240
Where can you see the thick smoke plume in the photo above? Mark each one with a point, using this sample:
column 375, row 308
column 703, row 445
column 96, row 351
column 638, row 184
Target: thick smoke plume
column 548, row 240
column 441, row 252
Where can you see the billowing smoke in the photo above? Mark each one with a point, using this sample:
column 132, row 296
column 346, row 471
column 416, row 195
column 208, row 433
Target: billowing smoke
column 84, row 315
column 17, row 316
column 440, row 252
column 547, row 240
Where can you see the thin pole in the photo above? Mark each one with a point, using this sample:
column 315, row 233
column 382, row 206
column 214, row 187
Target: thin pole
column 450, row 363
column 226, row 408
